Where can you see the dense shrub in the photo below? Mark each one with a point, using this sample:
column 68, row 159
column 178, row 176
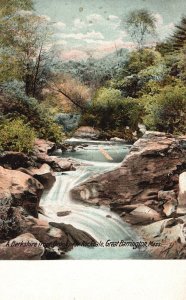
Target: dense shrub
column 15, row 135
column 69, row 121
column 115, row 115
column 128, row 86
column 140, row 60
column 166, row 110
column 106, row 96
column 14, row 104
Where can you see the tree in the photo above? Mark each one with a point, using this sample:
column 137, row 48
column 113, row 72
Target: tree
column 96, row 72
column 26, row 65
column 178, row 39
column 138, row 70
column 24, row 53
column 74, row 95
column 15, row 104
column 140, row 24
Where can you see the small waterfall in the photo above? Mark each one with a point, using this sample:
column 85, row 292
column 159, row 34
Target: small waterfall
column 100, row 222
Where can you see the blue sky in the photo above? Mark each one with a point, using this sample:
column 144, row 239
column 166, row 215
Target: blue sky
column 92, row 27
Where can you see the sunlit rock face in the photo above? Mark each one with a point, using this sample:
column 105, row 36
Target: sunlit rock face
column 19, row 189
column 23, row 247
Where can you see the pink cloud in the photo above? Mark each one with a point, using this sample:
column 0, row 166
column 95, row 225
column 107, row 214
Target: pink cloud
column 110, row 46
column 97, row 50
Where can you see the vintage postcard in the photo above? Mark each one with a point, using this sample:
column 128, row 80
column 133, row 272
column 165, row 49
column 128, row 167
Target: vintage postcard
column 92, row 129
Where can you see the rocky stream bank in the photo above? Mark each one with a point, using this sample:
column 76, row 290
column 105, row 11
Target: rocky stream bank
column 148, row 190
column 22, row 181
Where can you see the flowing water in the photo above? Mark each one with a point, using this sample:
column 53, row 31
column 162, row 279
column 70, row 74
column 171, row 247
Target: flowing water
column 100, row 222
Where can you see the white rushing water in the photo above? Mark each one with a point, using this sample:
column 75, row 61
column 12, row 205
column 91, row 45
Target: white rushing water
column 100, row 222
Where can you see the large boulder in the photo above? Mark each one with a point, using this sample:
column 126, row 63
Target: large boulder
column 56, row 163
column 142, row 215
column 165, row 239
column 14, row 160
column 23, row 247
column 56, row 238
column 47, row 234
column 42, row 155
column 153, row 164
column 19, row 189
column 76, row 236
column 12, row 222
column 44, row 175
column 43, row 146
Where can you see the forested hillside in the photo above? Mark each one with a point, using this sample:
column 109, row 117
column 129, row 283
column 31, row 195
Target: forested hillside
column 114, row 94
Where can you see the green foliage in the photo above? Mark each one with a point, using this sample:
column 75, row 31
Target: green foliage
column 164, row 47
column 105, row 96
column 96, row 72
column 17, row 104
column 179, row 37
column 114, row 116
column 181, row 63
column 143, row 66
column 15, row 135
column 146, row 83
column 166, row 110
column 47, row 128
column 129, row 85
column 140, row 60
column 24, row 38
column 110, row 111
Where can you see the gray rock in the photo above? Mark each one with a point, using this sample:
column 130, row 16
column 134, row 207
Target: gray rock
column 78, row 237
column 44, row 175
column 63, row 213
column 181, row 211
column 23, row 247
column 165, row 239
column 14, row 160
column 142, row 215
column 169, row 207
column 167, row 195
column 57, row 164
column 43, row 146
column 53, row 253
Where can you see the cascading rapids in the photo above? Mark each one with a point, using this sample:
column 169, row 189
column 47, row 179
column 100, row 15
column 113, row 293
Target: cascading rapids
column 100, row 222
